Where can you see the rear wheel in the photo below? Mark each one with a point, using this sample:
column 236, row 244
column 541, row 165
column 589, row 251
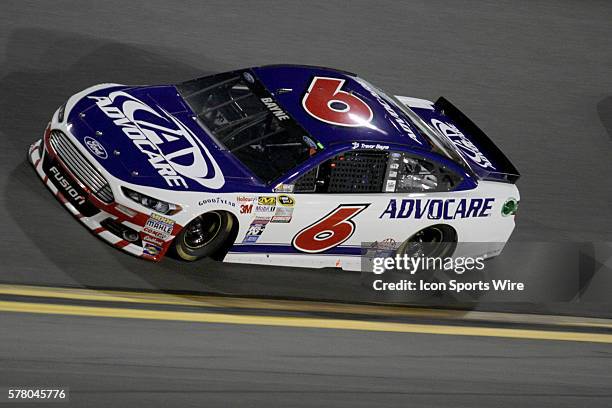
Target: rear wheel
column 204, row 236
column 434, row 241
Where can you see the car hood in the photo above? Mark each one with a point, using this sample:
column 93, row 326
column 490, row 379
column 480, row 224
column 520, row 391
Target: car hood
column 148, row 136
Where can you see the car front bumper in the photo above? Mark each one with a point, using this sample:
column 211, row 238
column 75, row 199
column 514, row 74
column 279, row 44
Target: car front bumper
column 122, row 227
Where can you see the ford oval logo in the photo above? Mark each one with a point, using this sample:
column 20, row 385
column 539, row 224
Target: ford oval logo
column 95, row 147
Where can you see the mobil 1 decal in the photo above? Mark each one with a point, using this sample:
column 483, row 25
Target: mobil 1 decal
column 329, row 231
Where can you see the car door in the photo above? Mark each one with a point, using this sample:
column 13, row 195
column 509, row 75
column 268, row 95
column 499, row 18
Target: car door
column 340, row 205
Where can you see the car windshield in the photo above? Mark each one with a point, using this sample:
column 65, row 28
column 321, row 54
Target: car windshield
column 244, row 118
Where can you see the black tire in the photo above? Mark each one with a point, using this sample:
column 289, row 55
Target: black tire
column 204, row 236
column 434, row 241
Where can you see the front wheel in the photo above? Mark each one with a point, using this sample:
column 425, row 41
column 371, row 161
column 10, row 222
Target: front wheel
column 204, row 236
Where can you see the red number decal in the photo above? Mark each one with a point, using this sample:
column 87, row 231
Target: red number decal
column 330, row 231
column 325, row 101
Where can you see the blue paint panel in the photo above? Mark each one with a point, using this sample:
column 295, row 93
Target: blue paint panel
column 127, row 162
column 298, row 78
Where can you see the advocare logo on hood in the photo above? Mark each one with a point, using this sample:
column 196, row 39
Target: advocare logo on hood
column 171, row 148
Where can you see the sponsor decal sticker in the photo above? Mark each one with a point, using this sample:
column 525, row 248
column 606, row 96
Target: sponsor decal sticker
column 153, row 240
column 286, row 201
column 385, row 248
column 390, row 187
column 265, row 205
column 266, row 201
column 245, row 204
column 95, row 147
column 168, row 144
column 158, row 226
column 217, row 200
column 465, row 146
column 282, row 214
column 377, row 146
column 150, row 249
column 284, row 188
column 255, row 230
column 438, row 209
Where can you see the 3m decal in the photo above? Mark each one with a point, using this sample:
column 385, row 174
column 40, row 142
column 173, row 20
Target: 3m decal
column 170, row 147
column 438, row 209
column 246, row 208
column 326, row 102
column 246, row 204
column 466, row 147
column 330, row 231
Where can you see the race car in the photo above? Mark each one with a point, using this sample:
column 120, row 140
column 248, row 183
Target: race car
column 282, row 165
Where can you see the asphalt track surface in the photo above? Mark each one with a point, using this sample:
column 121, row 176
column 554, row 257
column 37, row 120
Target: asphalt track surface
column 536, row 76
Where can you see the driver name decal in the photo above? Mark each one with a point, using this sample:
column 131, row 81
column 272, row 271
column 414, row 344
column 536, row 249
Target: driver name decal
column 171, row 148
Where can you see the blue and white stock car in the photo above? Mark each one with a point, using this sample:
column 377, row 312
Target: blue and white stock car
column 280, row 165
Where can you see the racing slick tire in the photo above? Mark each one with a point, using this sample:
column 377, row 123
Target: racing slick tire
column 204, row 236
column 438, row 240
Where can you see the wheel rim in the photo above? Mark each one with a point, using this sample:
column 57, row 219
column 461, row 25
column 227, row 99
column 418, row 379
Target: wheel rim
column 201, row 231
column 425, row 242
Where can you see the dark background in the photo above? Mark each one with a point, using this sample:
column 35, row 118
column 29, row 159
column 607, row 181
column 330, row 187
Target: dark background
column 535, row 75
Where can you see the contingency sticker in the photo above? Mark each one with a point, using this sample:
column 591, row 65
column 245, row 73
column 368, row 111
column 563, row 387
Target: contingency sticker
column 282, row 214
column 158, row 226
column 255, row 230
column 265, row 205
column 150, row 249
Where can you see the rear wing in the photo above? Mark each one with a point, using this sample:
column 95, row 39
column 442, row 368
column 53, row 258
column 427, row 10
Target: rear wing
column 503, row 170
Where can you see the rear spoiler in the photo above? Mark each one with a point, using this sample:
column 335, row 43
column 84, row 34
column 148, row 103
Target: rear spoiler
column 505, row 170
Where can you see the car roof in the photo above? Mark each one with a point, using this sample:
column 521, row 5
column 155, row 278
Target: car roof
column 289, row 85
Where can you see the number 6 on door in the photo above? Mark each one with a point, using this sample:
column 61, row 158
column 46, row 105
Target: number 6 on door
column 330, row 231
